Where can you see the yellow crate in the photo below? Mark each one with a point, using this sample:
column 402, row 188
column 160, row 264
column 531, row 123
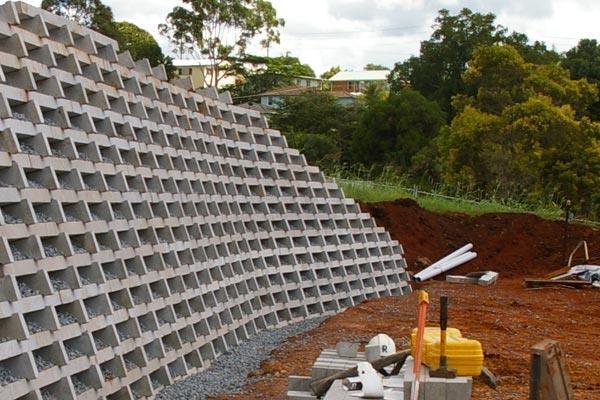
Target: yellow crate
column 464, row 355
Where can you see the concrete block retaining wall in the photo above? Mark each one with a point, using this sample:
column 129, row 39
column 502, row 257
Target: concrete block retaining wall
column 146, row 228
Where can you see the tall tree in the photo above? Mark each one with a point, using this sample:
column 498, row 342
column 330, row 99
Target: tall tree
column 330, row 72
column 141, row 44
column 437, row 71
column 220, row 31
column 521, row 128
column 536, row 52
column 319, row 126
column 98, row 16
column 396, row 127
column 375, row 67
column 91, row 13
column 583, row 61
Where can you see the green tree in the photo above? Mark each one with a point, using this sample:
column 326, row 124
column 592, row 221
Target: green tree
column 498, row 77
column 320, row 150
column 141, row 44
column 302, row 118
column 91, row 13
column 521, row 128
column 330, row 72
column 437, row 71
column 288, row 66
column 266, row 74
column 396, row 127
column 98, row 16
column 375, row 67
column 220, row 30
column 537, row 52
column 583, row 61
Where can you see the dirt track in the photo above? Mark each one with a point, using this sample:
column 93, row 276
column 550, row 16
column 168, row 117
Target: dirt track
column 506, row 318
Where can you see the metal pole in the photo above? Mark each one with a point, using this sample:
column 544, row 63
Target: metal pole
column 566, row 234
column 443, row 327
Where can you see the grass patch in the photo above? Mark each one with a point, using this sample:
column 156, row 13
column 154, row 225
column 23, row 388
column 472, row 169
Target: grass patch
column 370, row 192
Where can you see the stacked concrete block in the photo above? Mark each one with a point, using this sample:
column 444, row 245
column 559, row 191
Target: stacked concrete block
column 459, row 388
column 146, row 228
column 330, row 362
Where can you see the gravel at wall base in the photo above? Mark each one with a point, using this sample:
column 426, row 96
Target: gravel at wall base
column 228, row 373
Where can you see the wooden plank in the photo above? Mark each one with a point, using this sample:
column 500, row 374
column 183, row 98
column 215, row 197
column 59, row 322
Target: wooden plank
column 558, row 272
column 549, row 379
column 535, row 283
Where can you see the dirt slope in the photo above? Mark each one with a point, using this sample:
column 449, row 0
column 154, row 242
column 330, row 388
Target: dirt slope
column 513, row 244
column 507, row 318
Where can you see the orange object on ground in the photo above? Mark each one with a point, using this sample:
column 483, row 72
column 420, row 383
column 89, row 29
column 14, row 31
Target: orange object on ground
column 418, row 353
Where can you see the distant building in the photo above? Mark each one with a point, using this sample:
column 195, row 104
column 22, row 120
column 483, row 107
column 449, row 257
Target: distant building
column 198, row 70
column 357, row 81
column 271, row 100
column 308, row 82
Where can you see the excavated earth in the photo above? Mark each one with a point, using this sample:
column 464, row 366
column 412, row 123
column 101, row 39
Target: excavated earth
column 507, row 318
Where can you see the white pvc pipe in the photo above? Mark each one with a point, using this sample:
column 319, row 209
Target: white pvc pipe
column 448, row 265
column 441, row 261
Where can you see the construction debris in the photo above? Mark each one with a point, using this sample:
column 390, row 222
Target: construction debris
column 588, row 273
column 538, row 283
column 452, row 260
column 459, row 388
column 395, row 386
column 442, row 366
column 347, row 349
column 319, row 387
column 578, row 276
column 549, row 378
column 368, row 382
column 481, row 278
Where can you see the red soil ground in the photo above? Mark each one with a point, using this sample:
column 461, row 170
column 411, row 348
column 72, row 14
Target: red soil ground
column 507, row 318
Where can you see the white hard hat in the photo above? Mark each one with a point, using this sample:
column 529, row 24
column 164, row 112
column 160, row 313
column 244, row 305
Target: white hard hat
column 380, row 346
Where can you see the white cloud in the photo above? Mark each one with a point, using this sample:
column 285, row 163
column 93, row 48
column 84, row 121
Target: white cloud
column 352, row 33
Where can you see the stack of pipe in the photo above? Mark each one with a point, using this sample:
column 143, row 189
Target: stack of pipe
column 452, row 260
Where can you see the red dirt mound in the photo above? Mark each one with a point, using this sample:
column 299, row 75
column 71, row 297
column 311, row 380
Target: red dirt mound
column 511, row 244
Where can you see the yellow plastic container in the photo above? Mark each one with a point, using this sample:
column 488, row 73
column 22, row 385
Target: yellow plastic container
column 464, row 355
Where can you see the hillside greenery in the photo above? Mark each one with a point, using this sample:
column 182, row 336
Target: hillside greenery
column 479, row 108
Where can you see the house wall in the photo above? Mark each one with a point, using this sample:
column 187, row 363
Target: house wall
column 271, row 101
column 196, row 72
column 308, row 83
column 353, row 86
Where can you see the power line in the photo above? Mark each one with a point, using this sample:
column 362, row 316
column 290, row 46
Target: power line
column 351, row 32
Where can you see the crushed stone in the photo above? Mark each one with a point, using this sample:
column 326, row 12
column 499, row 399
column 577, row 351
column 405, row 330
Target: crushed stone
column 228, row 374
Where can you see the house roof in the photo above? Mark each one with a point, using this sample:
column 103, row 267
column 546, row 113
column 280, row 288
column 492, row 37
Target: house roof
column 312, row 78
column 360, row 76
column 190, row 63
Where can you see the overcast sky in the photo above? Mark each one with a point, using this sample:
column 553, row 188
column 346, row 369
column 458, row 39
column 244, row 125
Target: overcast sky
column 352, row 33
